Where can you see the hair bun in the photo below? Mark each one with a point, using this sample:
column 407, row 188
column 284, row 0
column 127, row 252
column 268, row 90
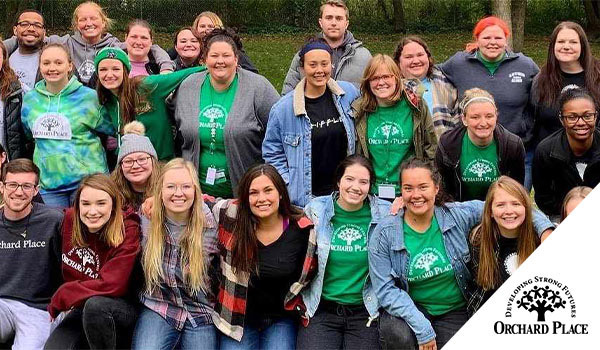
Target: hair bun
column 135, row 128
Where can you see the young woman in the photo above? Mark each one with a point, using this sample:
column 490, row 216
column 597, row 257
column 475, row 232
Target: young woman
column 178, row 249
column 139, row 40
column 138, row 166
column 570, row 62
column 12, row 136
column 572, row 200
column 64, row 119
column 188, row 48
column 315, row 116
column 471, row 157
column 504, row 239
column 340, row 302
column 418, row 262
column 392, row 123
column 221, row 115
column 416, row 62
column 142, row 99
column 263, row 240
column 100, row 243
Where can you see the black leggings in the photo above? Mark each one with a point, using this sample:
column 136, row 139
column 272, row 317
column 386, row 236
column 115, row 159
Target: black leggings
column 102, row 323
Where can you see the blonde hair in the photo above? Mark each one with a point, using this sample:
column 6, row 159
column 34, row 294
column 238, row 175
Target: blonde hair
column 112, row 232
column 334, row 3
column 579, row 192
column 475, row 95
column 107, row 21
column 368, row 102
column 218, row 23
column 192, row 251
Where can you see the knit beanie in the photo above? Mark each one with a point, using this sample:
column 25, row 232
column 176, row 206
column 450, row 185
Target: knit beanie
column 135, row 141
column 114, row 53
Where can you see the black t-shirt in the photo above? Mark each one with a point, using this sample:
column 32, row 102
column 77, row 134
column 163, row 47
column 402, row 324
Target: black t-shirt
column 279, row 266
column 581, row 162
column 329, row 142
column 508, row 259
column 547, row 120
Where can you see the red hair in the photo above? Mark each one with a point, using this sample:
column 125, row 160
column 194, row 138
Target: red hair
column 482, row 25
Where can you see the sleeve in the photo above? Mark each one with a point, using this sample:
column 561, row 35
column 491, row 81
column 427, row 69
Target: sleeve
column 446, row 173
column 57, row 39
column 530, row 109
column 543, row 182
column 541, row 222
column 56, row 244
column 293, row 76
column 103, row 123
column 164, row 84
column 517, row 163
column 272, row 147
column 11, row 45
column 445, row 96
column 162, row 58
column 245, row 62
column 25, row 109
column 393, row 299
column 467, row 215
column 113, row 279
column 269, row 98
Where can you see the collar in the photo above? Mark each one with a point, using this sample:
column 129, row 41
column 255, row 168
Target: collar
column 299, row 102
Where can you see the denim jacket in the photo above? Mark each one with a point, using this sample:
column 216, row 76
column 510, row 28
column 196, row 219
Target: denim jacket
column 287, row 143
column 389, row 259
column 320, row 210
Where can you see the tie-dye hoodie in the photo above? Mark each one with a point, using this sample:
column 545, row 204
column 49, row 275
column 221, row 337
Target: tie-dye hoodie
column 64, row 127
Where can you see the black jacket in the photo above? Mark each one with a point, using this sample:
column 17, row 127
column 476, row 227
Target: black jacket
column 511, row 158
column 17, row 145
column 554, row 172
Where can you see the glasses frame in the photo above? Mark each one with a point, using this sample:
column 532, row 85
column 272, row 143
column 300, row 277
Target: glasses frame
column 26, row 25
column 8, row 184
column 133, row 161
column 580, row 116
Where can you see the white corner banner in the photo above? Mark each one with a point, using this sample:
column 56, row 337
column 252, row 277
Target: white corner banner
column 552, row 301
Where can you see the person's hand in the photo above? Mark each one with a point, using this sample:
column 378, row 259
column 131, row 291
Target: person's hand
column 431, row 345
column 397, row 205
column 111, row 143
column 208, row 198
column 166, row 71
column 147, row 207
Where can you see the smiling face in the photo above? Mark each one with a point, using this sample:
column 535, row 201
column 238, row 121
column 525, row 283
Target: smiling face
column 221, row 62
column 491, row 43
column 263, row 197
column 580, row 130
column 418, row 191
column 138, row 42
column 95, row 208
column 508, row 212
column 414, row 62
column 90, row 23
column 317, row 68
column 19, row 199
column 480, row 119
column 55, row 66
column 187, row 46
column 354, row 187
column 567, row 47
column 205, row 26
column 178, row 192
column 110, row 74
column 383, row 85
column 333, row 23
column 30, row 30
column 140, row 169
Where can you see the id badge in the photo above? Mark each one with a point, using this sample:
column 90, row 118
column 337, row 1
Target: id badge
column 386, row 191
column 211, row 174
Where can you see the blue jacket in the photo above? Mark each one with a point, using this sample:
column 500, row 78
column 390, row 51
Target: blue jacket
column 287, row 143
column 389, row 259
column 320, row 210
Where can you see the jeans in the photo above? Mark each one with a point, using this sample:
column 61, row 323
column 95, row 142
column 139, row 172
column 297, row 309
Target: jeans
column 396, row 334
column 59, row 199
column 102, row 323
column 277, row 334
column 528, row 164
column 153, row 332
column 336, row 326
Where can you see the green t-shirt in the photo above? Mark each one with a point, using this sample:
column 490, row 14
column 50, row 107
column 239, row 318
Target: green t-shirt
column 214, row 108
column 491, row 66
column 347, row 266
column 478, row 168
column 431, row 280
column 389, row 141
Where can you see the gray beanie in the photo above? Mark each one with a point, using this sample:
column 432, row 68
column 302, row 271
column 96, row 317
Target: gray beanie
column 133, row 142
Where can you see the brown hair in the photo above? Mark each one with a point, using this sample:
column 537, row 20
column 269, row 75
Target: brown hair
column 368, row 102
column 8, row 78
column 113, row 231
column 19, row 166
column 576, row 192
column 200, row 41
column 140, row 23
column 417, row 163
column 418, row 40
column 107, row 21
column 334, row 3
column 226, row 35
column 485, row 237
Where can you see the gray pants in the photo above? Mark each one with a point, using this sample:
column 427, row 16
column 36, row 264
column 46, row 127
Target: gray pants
column 29, row 326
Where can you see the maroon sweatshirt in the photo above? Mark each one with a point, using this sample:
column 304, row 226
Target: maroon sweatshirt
column 97, row 269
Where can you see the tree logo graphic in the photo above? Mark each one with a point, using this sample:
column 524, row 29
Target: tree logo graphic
column 541, row 300
column 480, row 168
column 350, row 234
column 425, row 261
column 50, row 123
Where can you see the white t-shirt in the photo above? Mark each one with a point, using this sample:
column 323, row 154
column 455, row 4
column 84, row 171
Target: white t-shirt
column 26, row 67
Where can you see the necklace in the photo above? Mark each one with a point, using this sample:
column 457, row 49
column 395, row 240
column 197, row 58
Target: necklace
column 22, row 234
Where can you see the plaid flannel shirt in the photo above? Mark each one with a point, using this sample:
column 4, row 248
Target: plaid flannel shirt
column 445, row 107
column 230, row 309
column 172, row 299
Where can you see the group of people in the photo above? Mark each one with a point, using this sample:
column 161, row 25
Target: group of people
column 156, row 199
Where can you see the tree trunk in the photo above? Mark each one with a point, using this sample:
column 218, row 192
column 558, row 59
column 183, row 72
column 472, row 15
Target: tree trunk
column 519, row 8
column 501, row 9
column 399, row 22
column 593, row 19
column 13, row 7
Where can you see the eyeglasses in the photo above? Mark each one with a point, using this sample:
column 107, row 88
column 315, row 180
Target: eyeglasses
column 384, row 77
column 13, row 186
column 574, row 118
column 172, row 188
column 128, row 163
column 25, row 25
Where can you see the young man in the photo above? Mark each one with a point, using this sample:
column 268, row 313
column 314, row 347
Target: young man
column 30, row 31
column 30, row 249
column 349, row 57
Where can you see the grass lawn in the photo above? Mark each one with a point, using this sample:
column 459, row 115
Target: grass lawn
column 272, row 54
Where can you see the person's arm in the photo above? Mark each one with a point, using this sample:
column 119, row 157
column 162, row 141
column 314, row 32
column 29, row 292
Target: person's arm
column 272, row 147
column 293, row 76
column 163, row 85
column 530, row 109
column 162, row 59
column 268, row 97
column 543, row 182
column 11, row 45
column 393, row 299
column 446, row 173
column 542, row 224
column 517, row 164
column 113, row 277
column 444, row 96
